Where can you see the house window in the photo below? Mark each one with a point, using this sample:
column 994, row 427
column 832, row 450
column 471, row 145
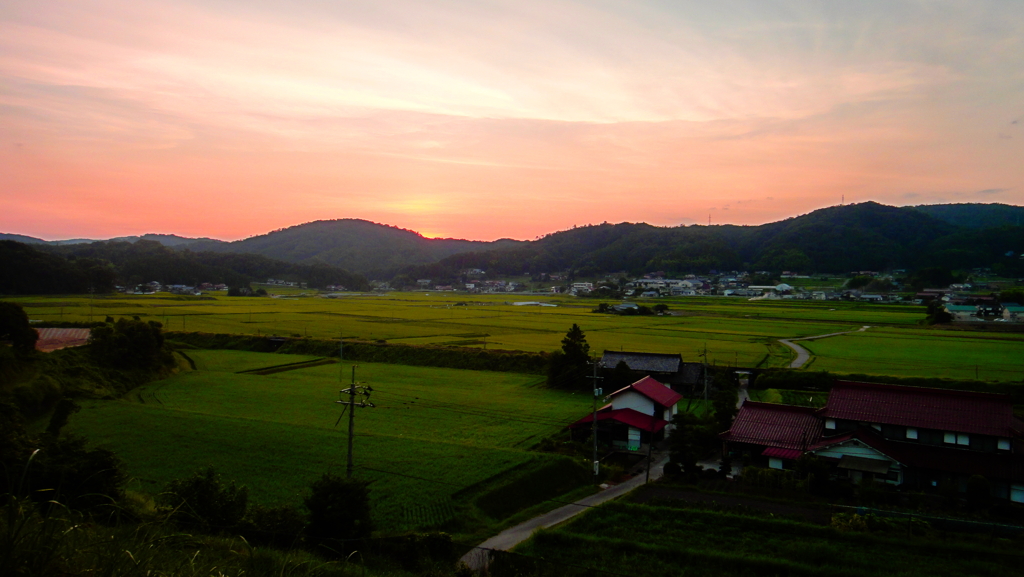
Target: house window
column 830, row 424
column 949, row 438
column 774, row 463
column 876, row 427
column 962, row 439
column 1003, row 445
column 911, row 433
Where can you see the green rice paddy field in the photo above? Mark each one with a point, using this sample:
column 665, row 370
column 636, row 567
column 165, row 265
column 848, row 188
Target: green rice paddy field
column 735, row 331
column 673, row 539
column 433, row 433
column 917, row 352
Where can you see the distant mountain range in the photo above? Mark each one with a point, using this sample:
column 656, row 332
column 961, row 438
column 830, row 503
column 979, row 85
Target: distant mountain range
column 866, row 236
column 357, row 245
column 976, row 215
column 164, row 239
column 859, row 237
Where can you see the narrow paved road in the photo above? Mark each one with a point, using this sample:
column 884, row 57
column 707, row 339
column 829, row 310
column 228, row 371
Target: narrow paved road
column 802, row 354
column 509, row 538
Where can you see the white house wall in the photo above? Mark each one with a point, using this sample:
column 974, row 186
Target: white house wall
column 1017, row 493
column 633, row 400
column 864, row 452
column 838, row 451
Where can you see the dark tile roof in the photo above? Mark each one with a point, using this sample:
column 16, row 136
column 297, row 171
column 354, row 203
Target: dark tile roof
column 772, row 425
column 653, row 362
column 653, row 390
column 792, row 454
column 946, row 410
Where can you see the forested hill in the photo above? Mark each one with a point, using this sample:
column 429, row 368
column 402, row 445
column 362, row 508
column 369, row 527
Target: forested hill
column 35, row 269
column 164, row 239
column 866, row 236
column 357, row 245
column 974, row 215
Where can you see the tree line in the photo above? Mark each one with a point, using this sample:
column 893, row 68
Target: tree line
column 867, row 236
column 100, row 266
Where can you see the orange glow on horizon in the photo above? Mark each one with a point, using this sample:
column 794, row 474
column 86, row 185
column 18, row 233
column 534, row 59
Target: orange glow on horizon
column 504, row 120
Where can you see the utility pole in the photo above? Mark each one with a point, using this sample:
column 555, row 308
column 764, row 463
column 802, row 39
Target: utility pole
column 704, row 355
column 350, row 405
column 650, row 453
column 593, row 422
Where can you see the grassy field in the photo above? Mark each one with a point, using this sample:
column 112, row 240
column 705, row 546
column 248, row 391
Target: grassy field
column 735, row 331
column 912, row 353
column 433, row 433
column 642, row 540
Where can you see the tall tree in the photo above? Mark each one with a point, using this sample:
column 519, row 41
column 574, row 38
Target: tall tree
column 575, row 346
column 14, row 326
column 568, row 367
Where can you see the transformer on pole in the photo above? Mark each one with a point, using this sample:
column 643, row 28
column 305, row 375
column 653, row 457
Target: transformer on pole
column 351, row 403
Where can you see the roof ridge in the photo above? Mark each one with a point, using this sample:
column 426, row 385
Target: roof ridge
column 914, row 389
column 780, row 406
column 606, row 352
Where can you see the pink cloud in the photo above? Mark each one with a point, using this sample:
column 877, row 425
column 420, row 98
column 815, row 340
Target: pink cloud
column 489, row 120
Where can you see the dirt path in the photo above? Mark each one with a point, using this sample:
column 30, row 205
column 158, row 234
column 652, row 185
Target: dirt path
column 802, row 354
column 477, row 558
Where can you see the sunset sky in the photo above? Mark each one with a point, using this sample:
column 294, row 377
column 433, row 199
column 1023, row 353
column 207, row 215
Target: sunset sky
column 488, row 119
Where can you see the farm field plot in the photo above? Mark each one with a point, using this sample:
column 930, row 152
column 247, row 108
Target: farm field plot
column 735, row 331
column 433, row 433
column 647, row 540
column 892, row 352
column 236, row 361
column 818, row 311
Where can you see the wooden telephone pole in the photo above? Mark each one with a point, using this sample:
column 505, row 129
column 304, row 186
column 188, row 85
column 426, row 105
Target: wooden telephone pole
column 350, row 405
column 593, row 423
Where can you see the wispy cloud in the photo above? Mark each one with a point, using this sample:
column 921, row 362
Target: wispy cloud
column 447, row 113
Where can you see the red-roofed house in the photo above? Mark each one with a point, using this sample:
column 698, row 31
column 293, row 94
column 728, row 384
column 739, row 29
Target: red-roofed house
column 775, row 432
column 637, row 415
column 908, row 436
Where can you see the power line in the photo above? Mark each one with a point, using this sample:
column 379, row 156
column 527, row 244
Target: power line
column 479, row 412
column 449, row 484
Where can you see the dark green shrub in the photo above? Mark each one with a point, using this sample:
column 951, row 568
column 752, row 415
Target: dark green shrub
column 130, row 344
column 65, row 471
column 339, row 510
column 203, row 500
column 279, row 526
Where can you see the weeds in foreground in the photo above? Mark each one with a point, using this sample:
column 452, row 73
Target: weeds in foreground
column 70, row 543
